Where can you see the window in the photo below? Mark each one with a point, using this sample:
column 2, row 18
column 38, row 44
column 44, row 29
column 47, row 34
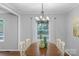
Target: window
column 1, row 30
column 42, row 29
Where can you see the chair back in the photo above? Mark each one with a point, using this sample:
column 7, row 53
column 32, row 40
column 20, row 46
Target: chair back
column 60, row 45
column 22, row 48
column 28, row 42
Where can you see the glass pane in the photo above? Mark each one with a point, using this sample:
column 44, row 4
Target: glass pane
column 42, row 29
column 1, row 29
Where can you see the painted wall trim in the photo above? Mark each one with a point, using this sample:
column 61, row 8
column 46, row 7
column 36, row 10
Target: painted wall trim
column 8, row 49
column 19, row 32
column 9, row 9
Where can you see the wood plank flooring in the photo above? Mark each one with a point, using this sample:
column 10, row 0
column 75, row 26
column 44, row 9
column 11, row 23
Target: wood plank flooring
column 9, row 53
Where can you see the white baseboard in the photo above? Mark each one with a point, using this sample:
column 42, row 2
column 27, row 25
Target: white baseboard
column 9, row 50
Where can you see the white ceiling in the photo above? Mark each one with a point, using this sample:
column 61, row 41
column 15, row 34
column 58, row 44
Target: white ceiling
column 35, row 8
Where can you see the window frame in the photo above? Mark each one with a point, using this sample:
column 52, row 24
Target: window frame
column 48, row 28
column 3, row 36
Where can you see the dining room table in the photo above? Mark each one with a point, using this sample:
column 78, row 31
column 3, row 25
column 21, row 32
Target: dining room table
column 50, row 50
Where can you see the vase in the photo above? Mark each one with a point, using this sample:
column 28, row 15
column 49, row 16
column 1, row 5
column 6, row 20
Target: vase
column 43, row 43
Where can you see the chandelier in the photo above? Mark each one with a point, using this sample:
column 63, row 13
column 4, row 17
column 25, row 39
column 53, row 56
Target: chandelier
column 43, row 17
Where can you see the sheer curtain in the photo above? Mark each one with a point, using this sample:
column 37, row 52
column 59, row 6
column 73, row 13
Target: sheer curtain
column 34, row 30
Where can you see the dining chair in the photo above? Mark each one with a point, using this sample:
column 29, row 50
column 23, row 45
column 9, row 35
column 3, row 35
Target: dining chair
column 58, row 43
column 28, row 42
column 22, row 48
column 62, row 48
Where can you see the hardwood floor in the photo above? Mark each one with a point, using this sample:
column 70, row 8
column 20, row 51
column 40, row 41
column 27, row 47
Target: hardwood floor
column 34, row 50
column 9, row 53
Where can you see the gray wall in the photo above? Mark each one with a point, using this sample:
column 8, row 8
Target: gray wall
column 26, row 29
column 72, row 43
column 57, row 27
column 11, row 38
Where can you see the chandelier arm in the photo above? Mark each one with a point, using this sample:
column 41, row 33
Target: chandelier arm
column 42, row 17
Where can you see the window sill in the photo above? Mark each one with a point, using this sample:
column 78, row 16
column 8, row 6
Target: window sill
column 2, row 40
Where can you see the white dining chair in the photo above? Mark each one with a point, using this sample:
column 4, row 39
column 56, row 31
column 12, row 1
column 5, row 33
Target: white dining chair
column 28, row 42
column 58, row 43
column 62, row 48
column 22, row 48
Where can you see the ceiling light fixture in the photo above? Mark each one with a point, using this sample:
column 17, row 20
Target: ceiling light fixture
column 42, row 17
